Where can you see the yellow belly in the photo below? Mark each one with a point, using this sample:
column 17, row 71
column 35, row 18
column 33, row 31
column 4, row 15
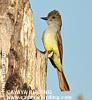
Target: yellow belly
column 50, row 43
column 57, row 62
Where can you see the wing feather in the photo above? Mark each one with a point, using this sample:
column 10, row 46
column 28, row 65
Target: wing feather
column 59, row 42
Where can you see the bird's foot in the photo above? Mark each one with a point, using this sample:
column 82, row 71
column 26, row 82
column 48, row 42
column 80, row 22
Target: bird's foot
column 50, row 53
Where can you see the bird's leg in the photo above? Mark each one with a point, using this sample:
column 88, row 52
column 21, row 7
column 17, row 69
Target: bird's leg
column 50, row 53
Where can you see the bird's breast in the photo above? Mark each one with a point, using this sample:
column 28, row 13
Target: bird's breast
column 50, row 41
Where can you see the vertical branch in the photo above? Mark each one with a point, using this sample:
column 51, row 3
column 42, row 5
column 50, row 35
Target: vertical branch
column 80, row 97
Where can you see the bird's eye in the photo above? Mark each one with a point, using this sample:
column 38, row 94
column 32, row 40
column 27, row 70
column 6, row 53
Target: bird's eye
column 53, row 17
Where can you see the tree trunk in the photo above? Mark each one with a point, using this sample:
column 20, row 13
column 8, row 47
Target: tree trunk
column 22, row 65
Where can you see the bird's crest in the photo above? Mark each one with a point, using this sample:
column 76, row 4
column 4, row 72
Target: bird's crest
column 54, row 13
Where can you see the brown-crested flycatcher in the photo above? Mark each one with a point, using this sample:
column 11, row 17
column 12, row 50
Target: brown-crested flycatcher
column 53, row 42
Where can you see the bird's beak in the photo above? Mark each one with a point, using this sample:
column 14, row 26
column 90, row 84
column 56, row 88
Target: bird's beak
column 44, row 18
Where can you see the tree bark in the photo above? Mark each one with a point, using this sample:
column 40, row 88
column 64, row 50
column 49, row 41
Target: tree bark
column 22, row 65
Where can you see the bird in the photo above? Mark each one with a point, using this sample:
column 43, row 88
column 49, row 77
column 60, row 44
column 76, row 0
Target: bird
column 52, row 41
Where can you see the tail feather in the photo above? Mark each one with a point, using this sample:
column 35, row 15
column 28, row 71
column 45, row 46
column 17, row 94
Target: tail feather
column 62, row 81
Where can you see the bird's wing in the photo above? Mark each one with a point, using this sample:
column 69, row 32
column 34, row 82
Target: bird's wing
column 59, row 43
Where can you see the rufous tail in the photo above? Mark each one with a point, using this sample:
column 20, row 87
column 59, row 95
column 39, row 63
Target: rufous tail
column 63, row 84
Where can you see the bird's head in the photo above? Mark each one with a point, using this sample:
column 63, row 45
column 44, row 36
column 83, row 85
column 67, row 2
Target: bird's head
column 53, row 18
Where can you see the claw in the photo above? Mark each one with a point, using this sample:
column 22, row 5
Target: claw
column 50, row 53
